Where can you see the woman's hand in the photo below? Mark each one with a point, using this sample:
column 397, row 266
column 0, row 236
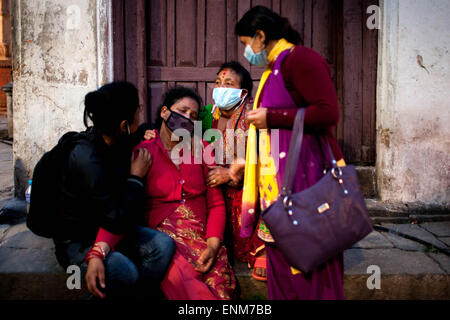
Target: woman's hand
column 141, row 164
column 207, row 258
column 96, row 270
column 258, row 118
column 149, row 134
column 236, row 173
column 217, row 176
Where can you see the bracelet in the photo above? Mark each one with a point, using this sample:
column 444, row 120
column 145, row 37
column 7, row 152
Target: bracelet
column 96, row 245
column 93, row 254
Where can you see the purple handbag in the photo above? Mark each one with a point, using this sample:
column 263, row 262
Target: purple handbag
column 314, row 225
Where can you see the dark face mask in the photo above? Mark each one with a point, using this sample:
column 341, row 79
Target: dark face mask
column 177, row 121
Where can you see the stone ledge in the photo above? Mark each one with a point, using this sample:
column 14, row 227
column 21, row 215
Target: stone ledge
column 28, row 268
column 399, row 287
column 38, row 286
column 412, row 211
column 393, row 287
column 47, row 286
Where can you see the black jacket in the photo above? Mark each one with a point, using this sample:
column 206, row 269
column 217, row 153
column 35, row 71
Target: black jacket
column 98, row 190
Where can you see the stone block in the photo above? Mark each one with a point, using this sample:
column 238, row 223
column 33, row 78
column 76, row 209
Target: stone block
column 390, row 261
column 445, row 240
column 399, row 287
column 439, row 229
column 20, row 237
column 13, row 260
column 417, row 232
column 39, row 286
column 403, row 243
column 442, row 259
column 374, row 240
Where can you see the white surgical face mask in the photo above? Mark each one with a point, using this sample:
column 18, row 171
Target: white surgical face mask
column 257, row 59
column 227, row 98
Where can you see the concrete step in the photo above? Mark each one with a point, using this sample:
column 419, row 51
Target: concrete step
column 409, row 270
column 406, row 212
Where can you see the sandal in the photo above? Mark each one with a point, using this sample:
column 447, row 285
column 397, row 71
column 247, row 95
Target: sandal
column 260, row 262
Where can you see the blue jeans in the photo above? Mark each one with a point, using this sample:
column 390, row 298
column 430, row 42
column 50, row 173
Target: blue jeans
column 134, row 270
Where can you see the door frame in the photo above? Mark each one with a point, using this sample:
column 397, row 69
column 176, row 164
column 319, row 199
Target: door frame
column 355, row 67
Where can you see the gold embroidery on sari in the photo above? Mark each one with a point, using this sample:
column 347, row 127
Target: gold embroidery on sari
column 187, row 238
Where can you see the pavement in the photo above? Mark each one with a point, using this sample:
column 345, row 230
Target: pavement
column 411, row 258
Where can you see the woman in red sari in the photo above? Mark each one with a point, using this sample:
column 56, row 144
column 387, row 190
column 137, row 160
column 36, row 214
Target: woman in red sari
column 179, row 203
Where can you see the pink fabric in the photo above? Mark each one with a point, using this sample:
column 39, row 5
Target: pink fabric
column 307, row 77
column 178, row 202
column 324, row 283
column 182, row 281
column 110, row 238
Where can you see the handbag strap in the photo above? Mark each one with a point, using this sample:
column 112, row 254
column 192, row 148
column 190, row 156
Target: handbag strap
column 295, row 147
column 293, row 153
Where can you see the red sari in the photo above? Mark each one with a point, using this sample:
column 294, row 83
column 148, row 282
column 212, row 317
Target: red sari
column 245, row 249
column 180, row 204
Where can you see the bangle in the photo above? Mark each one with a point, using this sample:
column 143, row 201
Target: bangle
column 102, row 251
column 93, row 254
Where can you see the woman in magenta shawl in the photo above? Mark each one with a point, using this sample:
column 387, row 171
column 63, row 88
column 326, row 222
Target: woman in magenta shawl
column 295, row 77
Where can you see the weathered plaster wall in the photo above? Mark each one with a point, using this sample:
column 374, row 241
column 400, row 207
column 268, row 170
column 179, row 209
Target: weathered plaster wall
column 413, row 103
column 60, row 52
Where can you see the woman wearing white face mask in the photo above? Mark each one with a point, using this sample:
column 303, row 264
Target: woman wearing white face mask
column 232, row 98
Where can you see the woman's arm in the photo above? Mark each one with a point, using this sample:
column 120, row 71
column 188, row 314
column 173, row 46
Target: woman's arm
column 216, row 217
column 215, row 225
column 114, row 210
column 102, row 195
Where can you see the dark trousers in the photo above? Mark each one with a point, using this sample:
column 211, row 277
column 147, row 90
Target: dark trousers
column 134, row 270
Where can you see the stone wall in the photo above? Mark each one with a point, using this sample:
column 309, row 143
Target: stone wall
column 60, row 52
column 413, row 103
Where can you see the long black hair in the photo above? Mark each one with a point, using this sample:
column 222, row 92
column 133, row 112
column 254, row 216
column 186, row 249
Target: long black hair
column 172, row 96
column 108, row 106
column 246, row 79
column 274, row 26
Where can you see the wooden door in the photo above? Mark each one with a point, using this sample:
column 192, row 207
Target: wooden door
column 163, row 43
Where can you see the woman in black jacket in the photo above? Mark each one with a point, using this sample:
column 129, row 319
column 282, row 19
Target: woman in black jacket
column 102, row 190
